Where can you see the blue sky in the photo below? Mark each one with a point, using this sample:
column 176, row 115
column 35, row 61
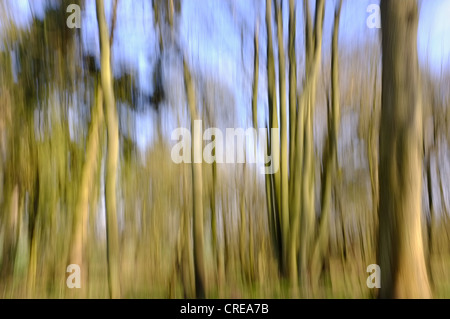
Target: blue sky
column 211, row 30
column 434, row 34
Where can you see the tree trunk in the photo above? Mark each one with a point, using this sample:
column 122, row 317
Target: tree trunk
column 273, row 192
column 112, row 125
column 330, row 157
column 400, row 247
column 199, row 263
column 284, row 191
column 10, row 238
column 307, row 101
column 79, row 225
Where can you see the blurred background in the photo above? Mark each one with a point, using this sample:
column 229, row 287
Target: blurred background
column 87, row 178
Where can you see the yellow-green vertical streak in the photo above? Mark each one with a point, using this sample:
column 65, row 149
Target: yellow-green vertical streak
column 292, row 85
column 255, row 80
column 87, row 175
column 284, row 137
column 112, row 125
column 308, row 175
column 273, row 144
column 255, row 126
column 199, row 264
column 295, row 195
column 273, row 105
column 330, row 156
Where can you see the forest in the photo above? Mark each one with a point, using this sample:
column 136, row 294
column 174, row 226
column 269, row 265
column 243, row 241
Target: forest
column 321, row 152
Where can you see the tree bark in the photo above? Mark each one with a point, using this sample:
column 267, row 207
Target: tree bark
column 79, row 225
column 330, row 156
column 112, row 126
column 400, row 246
column 199, row 263
column 284, row 191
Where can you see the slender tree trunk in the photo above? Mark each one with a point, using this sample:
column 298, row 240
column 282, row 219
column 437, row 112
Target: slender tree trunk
column 372, row 155
column 430, row 222
column 284, row 157
column 273, row 180
column 243, row 248
column 10, row 238
column 188, row 273
column 79, row 226
column 330, row 156
column 255, row 126
column 292, row 84
column 33, row 232
column 112, row 125
column 199, row 263
column 400, row 247
column 308, row 100
column 214, row 214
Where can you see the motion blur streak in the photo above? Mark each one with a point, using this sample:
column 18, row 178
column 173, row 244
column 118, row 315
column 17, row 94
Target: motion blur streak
column 98, row 201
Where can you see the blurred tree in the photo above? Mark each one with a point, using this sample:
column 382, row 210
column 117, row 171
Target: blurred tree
column 112, row 126
column 400, row 247
column 197, row 188
column 329, row 172
column 39, row 82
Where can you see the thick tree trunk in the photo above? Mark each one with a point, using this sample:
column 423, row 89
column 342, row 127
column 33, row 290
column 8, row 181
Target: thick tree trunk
column 400, row 247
